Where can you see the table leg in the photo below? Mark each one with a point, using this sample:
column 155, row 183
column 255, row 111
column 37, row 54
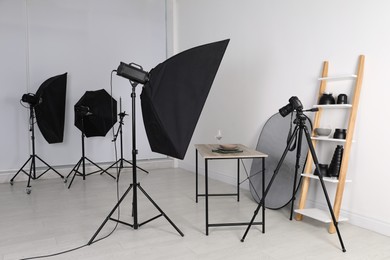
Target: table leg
column 238, row 179
column 196, row 175
column 262, row 191
column 207, row 196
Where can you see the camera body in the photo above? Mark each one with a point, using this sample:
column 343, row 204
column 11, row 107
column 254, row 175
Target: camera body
column 294, row 104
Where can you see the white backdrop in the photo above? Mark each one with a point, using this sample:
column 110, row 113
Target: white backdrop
column 87, row 39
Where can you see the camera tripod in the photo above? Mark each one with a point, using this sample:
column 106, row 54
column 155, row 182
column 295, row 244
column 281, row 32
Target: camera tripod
column 300, row 128
column 32, row 158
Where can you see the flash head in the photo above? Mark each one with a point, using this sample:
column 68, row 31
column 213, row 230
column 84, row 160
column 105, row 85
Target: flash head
column 31, row 99
column 133, row 72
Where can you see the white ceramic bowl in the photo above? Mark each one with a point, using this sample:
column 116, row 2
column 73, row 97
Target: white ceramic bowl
column 322, row 131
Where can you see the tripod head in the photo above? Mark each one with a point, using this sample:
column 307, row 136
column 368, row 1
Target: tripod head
column 296, row 105
column 293, row 104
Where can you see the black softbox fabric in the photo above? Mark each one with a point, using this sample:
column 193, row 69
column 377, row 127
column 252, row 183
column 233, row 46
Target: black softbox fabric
column 174, row 97
column 101, row 113
column 50, row 111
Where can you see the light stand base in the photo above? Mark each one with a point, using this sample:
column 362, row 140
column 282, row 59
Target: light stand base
column 119, row 165
column 134, row 185
column 82, row 173
column 33, row 157
column 32, row 173
column 134, row 225
column 81, row 162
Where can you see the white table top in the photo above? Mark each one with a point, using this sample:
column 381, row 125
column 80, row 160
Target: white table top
column 206, row 151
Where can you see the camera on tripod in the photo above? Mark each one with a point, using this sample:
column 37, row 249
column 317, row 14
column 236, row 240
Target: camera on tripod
column 294, row 104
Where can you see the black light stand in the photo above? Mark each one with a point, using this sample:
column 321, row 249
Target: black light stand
column 134, row 185
column 300, row 127
column 81, row 162
column 33, row 157
column 119, row 164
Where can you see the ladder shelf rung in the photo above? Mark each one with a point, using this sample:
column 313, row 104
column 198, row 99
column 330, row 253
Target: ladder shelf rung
column 339, row 77
column 335, row 106
column 318, row 214
column 327, row 179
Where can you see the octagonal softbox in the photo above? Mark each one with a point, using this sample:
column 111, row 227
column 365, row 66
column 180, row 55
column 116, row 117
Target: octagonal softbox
column 95, row 113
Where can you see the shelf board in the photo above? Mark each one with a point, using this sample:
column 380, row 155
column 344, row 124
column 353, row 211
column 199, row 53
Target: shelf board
column 318, row 214
column 337, row 106
column 328, row 139
column 327, row 179
column 339, row 77
column 325, row 138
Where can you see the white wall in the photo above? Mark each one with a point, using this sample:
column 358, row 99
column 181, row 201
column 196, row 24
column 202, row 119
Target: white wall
column 276, row 51
column 87, row 39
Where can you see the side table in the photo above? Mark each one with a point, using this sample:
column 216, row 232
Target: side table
column 206, row 151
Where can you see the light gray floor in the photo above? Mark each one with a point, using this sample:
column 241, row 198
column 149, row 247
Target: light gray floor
column 53, row 218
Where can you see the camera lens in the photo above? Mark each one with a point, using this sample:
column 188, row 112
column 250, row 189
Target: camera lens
column 287, row 109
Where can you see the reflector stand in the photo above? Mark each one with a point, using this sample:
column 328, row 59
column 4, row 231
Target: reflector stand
column 83, row 158
column 119, row 164
column 32, row 173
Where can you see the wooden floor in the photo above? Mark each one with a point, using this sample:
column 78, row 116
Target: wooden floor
column 53, row 219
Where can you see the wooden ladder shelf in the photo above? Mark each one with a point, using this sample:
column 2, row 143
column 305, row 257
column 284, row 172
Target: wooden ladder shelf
column 307, row 176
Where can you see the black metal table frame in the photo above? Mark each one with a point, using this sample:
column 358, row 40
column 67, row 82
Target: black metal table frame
column 206, row 194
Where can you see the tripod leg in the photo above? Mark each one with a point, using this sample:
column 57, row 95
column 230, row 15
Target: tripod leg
column 32, row 171
column 139, row 168
column 253, row 219
column 145, row 171
column 100, row 168
column 159, row 209
column 75, row 170
column 315, row 160
column 297, row 166
column 115, row 165
column 110, row 214
column 261, row 203
column 20, row 170
column 50, row 168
